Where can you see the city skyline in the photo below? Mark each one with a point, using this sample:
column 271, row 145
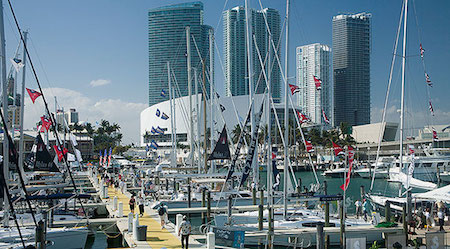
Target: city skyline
column 107, row 48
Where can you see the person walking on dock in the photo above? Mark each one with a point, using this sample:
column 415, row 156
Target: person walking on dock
column 132, row 203
column 440, row 215
column 140, row 201
column 162, row 212
column 365, row 208
column 185, row 231
column 358, row 206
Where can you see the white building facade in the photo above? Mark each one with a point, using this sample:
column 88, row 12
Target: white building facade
column 314, row 60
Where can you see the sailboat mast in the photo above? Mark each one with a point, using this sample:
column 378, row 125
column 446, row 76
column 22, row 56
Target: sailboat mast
column 5, row 108
column 22, row 107
column 205, row 144
column 197, row 120
column 402, row 105
column 286, row 115
column 211, row 93
column 191, row 121
column 269, row 168
column 172, row 135
column 248, row 30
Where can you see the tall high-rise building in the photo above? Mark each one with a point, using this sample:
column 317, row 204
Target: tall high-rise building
column 167, row 43
column 235, row 50
column 313, row 60
column 351, row 68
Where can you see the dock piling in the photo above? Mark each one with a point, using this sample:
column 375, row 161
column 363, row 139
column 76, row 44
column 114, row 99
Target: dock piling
column 135, row 227
column 319, row 236
column 210, row 240
column 189, row 192
column 387, row 211
column 130, row 222
column 178, row 220
column 208, row 207
column 260, row 211
column 120, row 210
column 115, row 203
column 254, row 195
column 342, row 221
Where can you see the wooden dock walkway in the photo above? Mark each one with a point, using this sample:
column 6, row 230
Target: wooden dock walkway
column 157, row 237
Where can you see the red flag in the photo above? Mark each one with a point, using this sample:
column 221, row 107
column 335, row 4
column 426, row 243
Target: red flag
column 46, row 123
column 435, row 136
column 33, row 94
column 421, row 50
column 302, row 117
column 309, row 147
column 318, row 82
column 338, row 151
column 274, row 155
column 351, row 155
column 431, row 108
column 428, row 80
column 58, row 152
column 411, row 149
column 294, row 89
column 325, row 118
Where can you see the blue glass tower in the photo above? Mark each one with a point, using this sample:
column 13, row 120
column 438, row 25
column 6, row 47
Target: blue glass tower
column 167, row 42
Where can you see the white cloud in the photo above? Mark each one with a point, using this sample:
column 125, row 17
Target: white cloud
column 100, row 82
column 126, row 114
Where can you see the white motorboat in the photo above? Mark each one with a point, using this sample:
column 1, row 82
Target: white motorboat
column 57, row 238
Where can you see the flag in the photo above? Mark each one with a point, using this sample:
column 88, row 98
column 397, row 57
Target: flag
column 325, row 118
column 302, row 117
column 274, row 155
column 351, row 155
column 222, row 108
column 428, row 80
column 17, row 64
column 100, row 158
column 109, row 157
column 294, row 89
column 431, row 108
column 309, row 147
column 46, row 123
column 421, row 50
column 153, row 130
column 147, row 148
column 222, row 149
column 154, row 145
column 71, row 157
column 318, row 82
column 78, row 155
column 276, row 175
column 164, row 116
column 435, row 136
column 338, row 151
column 104, row 158
column 163, row 93
column 411, row 149
column 73, row 140
column 159, row 130
column 58, row 152
column 158, row 113
column 217, row 95
column 33, row 94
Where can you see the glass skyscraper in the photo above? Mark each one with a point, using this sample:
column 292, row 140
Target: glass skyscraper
column 167, row 42
column 314, row 60
column 235, row 50
column 351, row 68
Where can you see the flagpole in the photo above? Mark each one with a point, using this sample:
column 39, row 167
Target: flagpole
column 197, row 120
column 22, row 108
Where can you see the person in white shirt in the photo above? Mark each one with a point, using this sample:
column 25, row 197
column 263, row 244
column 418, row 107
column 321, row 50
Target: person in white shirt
column 140, row 202
column 358, row 205
column 185, row 231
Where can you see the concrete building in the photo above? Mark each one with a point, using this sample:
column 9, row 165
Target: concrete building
column 229, row 116
column 370, row 133
column 167, row 42
column 71, row 116
column 351, row 68
column 235, row 50
column 313, row 60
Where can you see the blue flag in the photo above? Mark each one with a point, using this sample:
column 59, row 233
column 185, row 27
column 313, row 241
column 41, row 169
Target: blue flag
column 158, row 113
column 163, row 93
column 164, row 116
column 154, row 145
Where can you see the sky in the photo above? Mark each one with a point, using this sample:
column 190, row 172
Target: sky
column 93, row 55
